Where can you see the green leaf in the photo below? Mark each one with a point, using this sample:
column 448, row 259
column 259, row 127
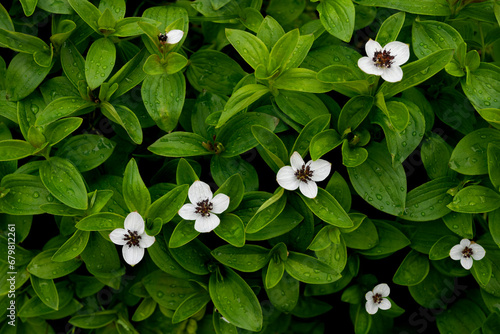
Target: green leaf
column 309, row 270
column 364, row 237
column 135, row 192
column 412, row 270
column 494, row 164
column 72, row 247
column 93, row 320
column 248, row 258
column 323, row 143
column 166, row 207
column 315, row 126
column 250, row 47
column 64, row 182
column 179, row 144
column 185, row 173
column 475, row 199
column 267, row 212
column 485, row 80
column 423, row 7
column 272, row 145
column 223, row 168
column 339, row 189
column 234, row 188
column 101, row 221
column 282, row 51
column 462, row 317
column 191, row 306
column 470, row 155
column 108, row 266
column 283, row 295
column 73, row 63
column 301, row 80
column 301, row 107
column 429, row 201
column 44, row 267
column 173, row 63
column 390, row 28
column 235, row 300
column 61, row 107
column 88, row 12
column 435, row 154
column 231, row 229
column 270, row 31
column 326, row 207
column 23, row 76
column 441, row 249
column 34, row 307
column 27, row 44
column 460, row 223
column 337, row 17
column 126, row 118
column 214, row 72
column 86, row 152
column 26, row 194
column 241, row 141
column 163, row 97
column 193, row 257
column 432, row 36
column 100, row 62
column 57, row 131
column 168, row 291
column 183, row 233
column 46, row 291
column 276, row 8
column 286, row 221
column 354, row 112
column 14, row 149
column 378, row 182
column 353, row 156
column 417, row 72
column 241, row 99
column 145, row 309
column 391, row 240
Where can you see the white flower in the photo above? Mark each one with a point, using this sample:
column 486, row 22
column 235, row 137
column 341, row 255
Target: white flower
column 385, row 61
column 203, row 207
column 171, row 37
column 302, row 175
column 375, row 299
column 466, row 251
column 133, row 238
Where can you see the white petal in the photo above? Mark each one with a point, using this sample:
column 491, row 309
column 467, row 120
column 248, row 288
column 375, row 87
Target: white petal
column 371, row 307
column 286, row 178
column 382, row 289
column 466, row 262
column 220, row 203
column 478, row 251
column 134, row 222
column 392, row 74
column 400, row 51
column 309, row 189
column 146, row 240
column 187, row 212
column 132, row 255
column 456, row 252
column 199, row 191
column 385, row 304
column 320, row 168
column 174, row 36
column 367, row 65
column 296, row 161
column 371, row 47
column 465, row 243
column 118, row 235
column 369, row 295
column 207, row 223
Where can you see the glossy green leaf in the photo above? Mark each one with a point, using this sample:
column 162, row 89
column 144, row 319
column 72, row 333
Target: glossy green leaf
column 93, row 320
column 101, row 221
column 315, row 126
column 108, row 266
column 323, row 143
column 412, row 270
column 100, row 61
column 470, row 155
column 193, row 257
column 364, row 237
column 283, row 50
column 88, row 12
column 354, row 112
column 485, row 80
column 14, row 149
column 223, row 168
column 126, row 118
column 390, row 28
column 475, row 199
column 191, row 306
column 248, row 258
column 380, row 184
column 301, row 80
column 250, row 47
column 180, row 144
column 391, row 240
column 183, row 233
column 231, row 229
column 464, row 316
column 44, row 267
column 26, row 194
column 284, row 295
column 272, row 146
column 423, row 7
column 61, row 107
column 135, row 193
column 460, row 223
column 270, row 31
column 435, row 154
column 310, row 270
column 243, row 309
column 163, row 97
column 145, row 309
column 46, row 291
column 337, row 17
column 267, row 212
column 24, row 75
column 432, row 36
column 417, row 72
column 64, row 182
column 441, row 249
column 86, row 152
column 300, row 107
column 72, row 247
column 326, row 207
column 494, row 164
column 166, row 207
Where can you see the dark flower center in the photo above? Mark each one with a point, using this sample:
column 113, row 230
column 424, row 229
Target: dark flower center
column 132, row 238
column 377, row 298
column 304, row 174
column 204, row 207
column 162, row 38
column 383, row 59
column 467, row 252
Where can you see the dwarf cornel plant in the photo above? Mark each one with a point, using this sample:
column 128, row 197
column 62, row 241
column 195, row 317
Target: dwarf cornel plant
column 250, row 166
